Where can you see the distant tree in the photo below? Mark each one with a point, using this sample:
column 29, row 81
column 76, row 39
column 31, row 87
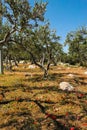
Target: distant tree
column 77, row 42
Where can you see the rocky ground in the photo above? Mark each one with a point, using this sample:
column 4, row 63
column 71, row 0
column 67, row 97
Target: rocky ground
column 29, row 102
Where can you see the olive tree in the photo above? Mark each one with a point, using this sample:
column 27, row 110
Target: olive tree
column 77, row 42
column 19, row 15
column 42, row 45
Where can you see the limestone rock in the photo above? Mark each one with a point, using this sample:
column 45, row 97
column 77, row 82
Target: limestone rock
column 66, row 86
column 32, row 66
column 71, row 75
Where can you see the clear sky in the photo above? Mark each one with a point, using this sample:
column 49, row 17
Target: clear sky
column 66, row 15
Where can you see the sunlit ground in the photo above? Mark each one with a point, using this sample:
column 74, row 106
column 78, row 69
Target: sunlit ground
column 29, row 102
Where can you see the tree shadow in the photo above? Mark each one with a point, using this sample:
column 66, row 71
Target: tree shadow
column 20, row 121
column 51, row 77
column 58, row 121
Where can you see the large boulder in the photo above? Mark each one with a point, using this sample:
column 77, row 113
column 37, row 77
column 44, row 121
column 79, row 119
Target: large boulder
column 66, row 86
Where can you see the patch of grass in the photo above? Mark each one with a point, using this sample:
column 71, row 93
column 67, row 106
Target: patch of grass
column 28, row 102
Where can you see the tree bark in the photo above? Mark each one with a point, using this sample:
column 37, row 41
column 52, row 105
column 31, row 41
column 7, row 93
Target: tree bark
column 1, row 62
column 7, row 36
column 45, row 73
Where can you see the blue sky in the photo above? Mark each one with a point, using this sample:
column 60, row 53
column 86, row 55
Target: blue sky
column 66, row 15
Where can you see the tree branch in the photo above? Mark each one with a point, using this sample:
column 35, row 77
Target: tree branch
column 7, row 36
column 33, row 58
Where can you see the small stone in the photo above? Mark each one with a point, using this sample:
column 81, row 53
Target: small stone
column 32, row 66
column 71, row 75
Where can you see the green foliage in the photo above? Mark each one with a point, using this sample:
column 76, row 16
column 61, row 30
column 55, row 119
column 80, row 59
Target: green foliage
column 15, row 18
column 20, row 15
column 42, row 43
column 77, row 42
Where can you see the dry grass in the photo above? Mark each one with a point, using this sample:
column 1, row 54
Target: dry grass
column 29, row 102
